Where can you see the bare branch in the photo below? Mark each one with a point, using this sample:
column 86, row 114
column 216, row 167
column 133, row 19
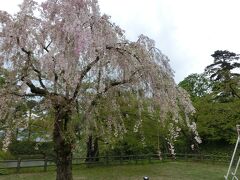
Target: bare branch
column 46, row 47
column 36, row 90
column 83, row 74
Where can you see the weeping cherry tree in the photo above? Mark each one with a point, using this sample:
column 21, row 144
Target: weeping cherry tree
column 68, row 55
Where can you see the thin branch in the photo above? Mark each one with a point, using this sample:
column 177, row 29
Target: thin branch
column 34, row 69
column 122, row 51
column 46, row 47
column 83, row 74
column 34, row 89
column 39, row 74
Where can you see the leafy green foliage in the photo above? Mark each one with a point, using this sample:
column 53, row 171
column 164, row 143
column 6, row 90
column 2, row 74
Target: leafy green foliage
column 217, row 111
column 197, row 85
column 217, row 121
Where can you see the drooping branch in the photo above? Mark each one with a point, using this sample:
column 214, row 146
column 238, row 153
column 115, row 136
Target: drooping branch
column 124, row 51
column 106, row 89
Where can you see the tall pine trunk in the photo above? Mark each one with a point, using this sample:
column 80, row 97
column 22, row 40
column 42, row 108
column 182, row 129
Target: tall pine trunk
column 63, row 143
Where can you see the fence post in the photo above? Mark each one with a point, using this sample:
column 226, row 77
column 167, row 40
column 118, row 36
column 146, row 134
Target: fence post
column 45, row 164
column 18, row 164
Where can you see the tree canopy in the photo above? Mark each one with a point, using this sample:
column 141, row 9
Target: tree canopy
column 223, row 73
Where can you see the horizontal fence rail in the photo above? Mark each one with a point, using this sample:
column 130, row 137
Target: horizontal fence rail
column 110, row 160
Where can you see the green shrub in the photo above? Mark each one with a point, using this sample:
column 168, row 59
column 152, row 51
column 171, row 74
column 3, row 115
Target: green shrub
column 31, row 148
column 22, row 147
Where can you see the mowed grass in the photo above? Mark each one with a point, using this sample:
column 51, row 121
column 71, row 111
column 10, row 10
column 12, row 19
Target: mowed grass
column 174, row 170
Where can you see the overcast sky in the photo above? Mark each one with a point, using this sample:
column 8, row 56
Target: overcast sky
column 187, row 31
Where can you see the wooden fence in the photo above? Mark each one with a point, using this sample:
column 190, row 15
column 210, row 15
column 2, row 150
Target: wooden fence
column 111, row 160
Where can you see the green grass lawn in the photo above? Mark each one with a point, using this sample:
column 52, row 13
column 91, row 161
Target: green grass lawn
column 165, row 171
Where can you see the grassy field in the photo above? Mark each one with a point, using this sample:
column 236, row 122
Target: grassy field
column 156, row 171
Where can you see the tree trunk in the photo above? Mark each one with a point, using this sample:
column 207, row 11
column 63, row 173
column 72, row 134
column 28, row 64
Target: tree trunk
column 63, row 143
column 92, row 149
column 29, row 124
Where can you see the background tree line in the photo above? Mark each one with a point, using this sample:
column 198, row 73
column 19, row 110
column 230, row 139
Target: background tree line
column 215, row 95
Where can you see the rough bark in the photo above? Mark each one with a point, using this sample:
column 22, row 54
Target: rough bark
column 62, row 143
